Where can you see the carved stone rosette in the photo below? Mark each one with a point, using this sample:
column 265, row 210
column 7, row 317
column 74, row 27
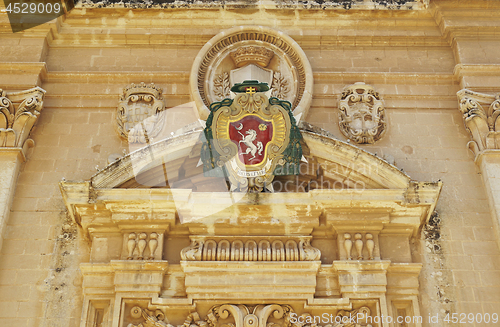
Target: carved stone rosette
column 139, row 117
column 18, row 113
column 362, row 114
column 480, row 113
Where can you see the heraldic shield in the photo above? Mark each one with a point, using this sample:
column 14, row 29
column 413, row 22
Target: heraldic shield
column 250, row 139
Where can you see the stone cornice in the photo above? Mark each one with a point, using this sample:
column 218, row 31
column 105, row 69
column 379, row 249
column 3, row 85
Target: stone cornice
column 462, row 70
column 39, row 68
column 268, row 4
column 33, row 74
column 466, row 19
column 407, row 208
column 124, row 77
column 163, row 37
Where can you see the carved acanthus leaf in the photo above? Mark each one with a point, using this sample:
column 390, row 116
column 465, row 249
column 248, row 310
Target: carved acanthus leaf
column 192, row 252
column 157, row 319
column 482, row 124
column 16, row 124
column 308, row 252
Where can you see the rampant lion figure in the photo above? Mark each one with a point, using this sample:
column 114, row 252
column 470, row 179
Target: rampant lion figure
column 248, row 141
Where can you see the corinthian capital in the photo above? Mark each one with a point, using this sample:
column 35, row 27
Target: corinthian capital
column 18, row 113
column 480, row 113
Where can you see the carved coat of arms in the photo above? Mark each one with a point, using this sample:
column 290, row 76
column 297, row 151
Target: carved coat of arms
column 251, row 138
column 139, row 117
column 362, row 114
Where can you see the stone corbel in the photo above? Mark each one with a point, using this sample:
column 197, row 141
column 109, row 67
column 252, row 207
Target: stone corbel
column 18, row 113
column 480, row 113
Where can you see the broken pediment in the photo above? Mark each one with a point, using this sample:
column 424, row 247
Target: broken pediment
column 175, row 163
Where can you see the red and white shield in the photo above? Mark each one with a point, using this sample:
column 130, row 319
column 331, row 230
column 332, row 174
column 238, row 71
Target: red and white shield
column 251, row 134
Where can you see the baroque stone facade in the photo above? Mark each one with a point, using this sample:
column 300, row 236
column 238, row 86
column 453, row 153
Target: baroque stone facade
column 346, row 189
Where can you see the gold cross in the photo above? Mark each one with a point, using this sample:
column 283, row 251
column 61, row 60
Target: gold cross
column 250, row 90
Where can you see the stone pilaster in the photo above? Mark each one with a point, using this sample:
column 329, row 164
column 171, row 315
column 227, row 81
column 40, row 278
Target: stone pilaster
column 18, row 113
column 480, row 113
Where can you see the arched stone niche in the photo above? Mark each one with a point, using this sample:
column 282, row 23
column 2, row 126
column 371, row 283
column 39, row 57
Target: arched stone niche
column 251, row 52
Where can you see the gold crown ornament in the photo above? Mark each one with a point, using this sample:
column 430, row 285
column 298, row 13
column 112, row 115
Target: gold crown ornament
column 252, row 54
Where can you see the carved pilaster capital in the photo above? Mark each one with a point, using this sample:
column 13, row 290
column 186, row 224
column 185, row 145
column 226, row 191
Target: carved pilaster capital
column 18, row 113
column 480, row 113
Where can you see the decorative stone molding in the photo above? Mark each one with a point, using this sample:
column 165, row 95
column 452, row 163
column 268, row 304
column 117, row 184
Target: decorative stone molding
column 250, row 249
column 139, row 116
column 249, row 316
column 18, row 113
column 251, row 53
column 480, row 113
column 362, row 114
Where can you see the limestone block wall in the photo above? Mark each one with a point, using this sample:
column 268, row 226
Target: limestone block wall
column 417, row 60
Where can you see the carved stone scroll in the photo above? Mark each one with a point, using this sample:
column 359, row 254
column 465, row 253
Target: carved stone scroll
column 151, row 319
column 139, row 117
column 362, row 114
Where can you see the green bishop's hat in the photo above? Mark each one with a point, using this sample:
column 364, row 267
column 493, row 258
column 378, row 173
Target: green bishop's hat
column 242, row 87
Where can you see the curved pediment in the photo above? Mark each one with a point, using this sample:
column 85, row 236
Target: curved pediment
column 175, row 163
